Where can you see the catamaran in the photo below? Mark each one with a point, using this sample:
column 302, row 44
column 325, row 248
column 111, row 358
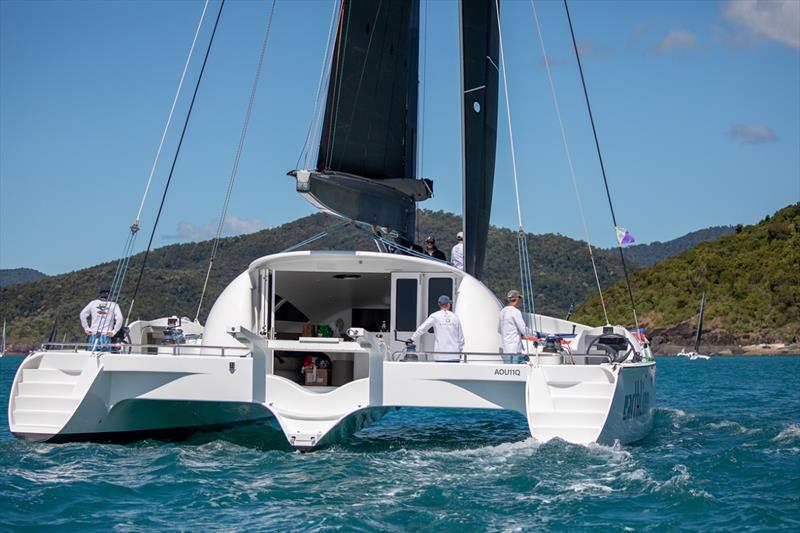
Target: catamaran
column 695, row 354
column 313, row 342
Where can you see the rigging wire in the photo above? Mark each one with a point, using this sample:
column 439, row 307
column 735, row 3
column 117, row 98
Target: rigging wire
column 602, row 166
column 125, row 257
column 324, row 75
column 569, row 157
column 340, row 38
column 235, row 169
column 330, row 231
column 175, row 160
column 522, row 236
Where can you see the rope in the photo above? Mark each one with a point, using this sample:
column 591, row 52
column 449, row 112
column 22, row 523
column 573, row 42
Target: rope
column 175, row 160
column 235, row 169
column 508, row 115
column 335, row 73
column 324, row 74
column 602, row 166
column 125, row 258
column 317, row 237
column 569, row 158
column 171, row 112
column 522, row 236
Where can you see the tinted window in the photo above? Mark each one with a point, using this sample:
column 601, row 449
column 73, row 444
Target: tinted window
column 405, row 305
column 438, row 287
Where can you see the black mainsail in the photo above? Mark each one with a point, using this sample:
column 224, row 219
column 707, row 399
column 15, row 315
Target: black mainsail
column 699, row 324
column 366, row 164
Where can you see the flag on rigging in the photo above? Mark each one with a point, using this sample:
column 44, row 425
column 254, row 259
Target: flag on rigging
column 623, row 236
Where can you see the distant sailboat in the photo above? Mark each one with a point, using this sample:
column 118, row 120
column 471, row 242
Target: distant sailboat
column 3, row 348
column 695, row 354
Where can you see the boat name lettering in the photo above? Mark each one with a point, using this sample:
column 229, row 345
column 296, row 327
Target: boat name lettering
column 506, row 372
column 638, row 403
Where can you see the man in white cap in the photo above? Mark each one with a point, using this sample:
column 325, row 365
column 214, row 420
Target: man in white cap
column 448, row 335
column 457, row 253
column 512, row 328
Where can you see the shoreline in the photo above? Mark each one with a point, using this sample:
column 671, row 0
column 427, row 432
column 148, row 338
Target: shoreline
column 766, row 349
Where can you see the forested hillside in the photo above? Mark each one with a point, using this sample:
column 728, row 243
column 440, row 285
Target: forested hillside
column 174, row 275
column 752, row 284
column 13, row 276
column 649, row 254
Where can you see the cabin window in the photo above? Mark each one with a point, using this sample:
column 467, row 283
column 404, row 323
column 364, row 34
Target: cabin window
column 405, row 307
column 438, row 287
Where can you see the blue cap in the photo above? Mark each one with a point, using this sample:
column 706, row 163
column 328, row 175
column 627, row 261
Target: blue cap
column 444, row 299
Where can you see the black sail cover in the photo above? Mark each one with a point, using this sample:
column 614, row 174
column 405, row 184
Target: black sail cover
column 479, row 78
column 366, row 168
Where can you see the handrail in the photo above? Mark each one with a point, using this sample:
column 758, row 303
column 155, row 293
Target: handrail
column 129, row 348
column 399, row 354
column 462, row 356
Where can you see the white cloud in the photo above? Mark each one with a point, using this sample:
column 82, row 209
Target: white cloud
column 775, row 20
column 233, row 226
column 238, row 226
column 754, row 133
column 679, row 39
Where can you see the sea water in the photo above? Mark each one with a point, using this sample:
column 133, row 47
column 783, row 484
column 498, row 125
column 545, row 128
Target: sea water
column 724, row 454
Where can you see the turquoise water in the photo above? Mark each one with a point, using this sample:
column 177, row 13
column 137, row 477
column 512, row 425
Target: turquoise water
column 724, row 455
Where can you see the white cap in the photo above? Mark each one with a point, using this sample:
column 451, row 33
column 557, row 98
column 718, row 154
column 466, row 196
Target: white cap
column 460, row 235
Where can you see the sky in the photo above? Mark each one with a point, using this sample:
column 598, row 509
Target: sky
column 696, row 106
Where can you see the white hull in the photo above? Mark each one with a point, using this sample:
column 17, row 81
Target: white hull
column 66, row 396
column 693, row 356
column 62, row 395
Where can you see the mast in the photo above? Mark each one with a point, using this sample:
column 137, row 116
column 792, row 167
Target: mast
column 699, row 324
column 479, row 86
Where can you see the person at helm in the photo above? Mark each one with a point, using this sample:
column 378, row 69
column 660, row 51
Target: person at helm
column 512, row 328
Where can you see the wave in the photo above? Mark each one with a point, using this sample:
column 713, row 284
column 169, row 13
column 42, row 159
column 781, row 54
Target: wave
column 789, row 435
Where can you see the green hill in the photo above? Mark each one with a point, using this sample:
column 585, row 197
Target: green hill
column 174, row 275
column 14, row 276
column 649, row 254
column 752, row 284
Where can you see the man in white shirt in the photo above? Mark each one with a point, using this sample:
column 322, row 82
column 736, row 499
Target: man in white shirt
column 512, row 328
column 106, row 318
column 448, row 335
column 457, row 253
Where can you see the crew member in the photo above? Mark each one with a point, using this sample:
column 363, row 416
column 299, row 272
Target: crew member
column 432, row 250
column 457, row 253
column 512, row 328
column 105, row 316
column 448, row 335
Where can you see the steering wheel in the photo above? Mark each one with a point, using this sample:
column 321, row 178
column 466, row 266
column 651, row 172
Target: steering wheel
column 613, row 355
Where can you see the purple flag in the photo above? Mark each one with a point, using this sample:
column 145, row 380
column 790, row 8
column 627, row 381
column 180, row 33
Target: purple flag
column 623, row 236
